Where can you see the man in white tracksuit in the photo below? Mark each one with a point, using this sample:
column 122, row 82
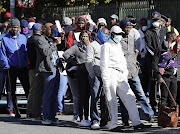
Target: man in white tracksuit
column 114, row 74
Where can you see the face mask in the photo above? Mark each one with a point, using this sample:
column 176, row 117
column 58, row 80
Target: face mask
column 25, row 31
column 101, row 37
column 156, row 24
column 144, row 28
column 117, row 38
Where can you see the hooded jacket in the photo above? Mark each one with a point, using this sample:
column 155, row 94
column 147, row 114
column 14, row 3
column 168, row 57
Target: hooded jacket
column 13, row 51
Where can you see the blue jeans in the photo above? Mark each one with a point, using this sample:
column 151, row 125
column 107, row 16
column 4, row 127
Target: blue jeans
column 136, row 87
column 96, row 94
column 4, row 78
column 51, row 86
column 61, row 92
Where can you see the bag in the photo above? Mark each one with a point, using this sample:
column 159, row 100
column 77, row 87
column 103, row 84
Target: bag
column 168, row 116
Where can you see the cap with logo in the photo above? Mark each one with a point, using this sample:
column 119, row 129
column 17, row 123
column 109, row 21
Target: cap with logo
column 37, row 27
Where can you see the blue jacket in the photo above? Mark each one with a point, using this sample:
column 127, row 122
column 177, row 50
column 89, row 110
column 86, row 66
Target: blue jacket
column 12, row 53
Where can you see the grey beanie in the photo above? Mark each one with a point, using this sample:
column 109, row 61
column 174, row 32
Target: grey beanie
column 15, row 22
column 66, row 21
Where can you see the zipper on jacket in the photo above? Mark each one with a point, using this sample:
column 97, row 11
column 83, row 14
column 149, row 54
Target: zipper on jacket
column 18, row 52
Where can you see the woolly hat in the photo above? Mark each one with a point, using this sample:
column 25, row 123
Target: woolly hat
column 66, row 21
column 15, row 22
column 124, row 23
column 101, row 20
column 24, row 23
column 30, row 20
column 7, row 15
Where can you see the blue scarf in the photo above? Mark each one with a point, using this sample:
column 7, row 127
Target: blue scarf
column 101, row 37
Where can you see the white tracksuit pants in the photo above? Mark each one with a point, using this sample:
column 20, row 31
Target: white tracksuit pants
column 120, row 87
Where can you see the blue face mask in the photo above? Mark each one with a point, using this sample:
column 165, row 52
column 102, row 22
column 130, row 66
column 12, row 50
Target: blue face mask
column 117, row 38
column 101, row 37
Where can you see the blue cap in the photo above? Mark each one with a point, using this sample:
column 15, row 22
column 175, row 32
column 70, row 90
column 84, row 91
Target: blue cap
column 124, row 23
column 37, row 27
column 24, row 23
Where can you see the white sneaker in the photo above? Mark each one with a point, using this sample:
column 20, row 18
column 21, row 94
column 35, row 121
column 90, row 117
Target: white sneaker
column 95, row 125
column 73, row 120
column 47, row 122
column 85, row 123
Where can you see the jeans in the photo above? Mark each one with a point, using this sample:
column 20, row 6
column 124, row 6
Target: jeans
column 4, row 79
column 61, row 92
column 98, row 93
column 51, row 86
column 22, row 74
column 136, row 87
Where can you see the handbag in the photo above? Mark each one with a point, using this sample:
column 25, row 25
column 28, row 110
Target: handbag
column 168, row 116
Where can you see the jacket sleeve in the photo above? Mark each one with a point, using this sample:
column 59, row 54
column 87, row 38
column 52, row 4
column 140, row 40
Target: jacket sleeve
column 90, row 55
column 69, row 39
column 45, row 48
column 69, row 55
column 148, row 41
column 155, row 62
column 3, row 56
column 137, row 41
column 104, row 61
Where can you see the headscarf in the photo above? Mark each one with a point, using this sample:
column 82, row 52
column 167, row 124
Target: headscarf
column 101, row 37
column 81, row 18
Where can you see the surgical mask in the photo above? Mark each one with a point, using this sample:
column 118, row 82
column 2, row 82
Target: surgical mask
column 117, row 38
column 144, row 28
column 156, row 24
column 25, row 31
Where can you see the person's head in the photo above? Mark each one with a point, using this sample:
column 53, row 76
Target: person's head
column 81, row 23
column 164, row 20
column 73, row 19
column 171, row 36
column 103, row 35
column 37, row 28
column 116, row 34
column 7, row 16
column 84, row 36
column 131, row 19
column 156, row 19
column 143, row 24
column 48, row 29
column 24, row 27
column 168, row 23
column 66, row 21
column 5, row 25
column 31, row 22
column 15, row 27
column 126, row 26
column 101, row 23
column 114, row 19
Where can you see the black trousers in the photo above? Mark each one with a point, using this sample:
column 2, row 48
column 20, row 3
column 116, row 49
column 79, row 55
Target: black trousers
column 22, row 74
column 171, row 82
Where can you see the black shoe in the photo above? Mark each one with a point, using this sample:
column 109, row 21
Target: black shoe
column 126, row 125
column 116, row 129
column 152, row 120
column 17, row 115
column 141, row 126
column 29, row 116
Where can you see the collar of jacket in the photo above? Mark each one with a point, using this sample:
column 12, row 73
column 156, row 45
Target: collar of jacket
column 13, row 36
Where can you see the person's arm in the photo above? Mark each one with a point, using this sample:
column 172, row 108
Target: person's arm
column 148, row 41
column 90, row 55
column 68, row 55
column 104, row 63
column 3, row 56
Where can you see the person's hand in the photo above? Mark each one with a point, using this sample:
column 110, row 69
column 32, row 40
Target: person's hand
column 161, row 80
column 58, row 39
column 62, row 34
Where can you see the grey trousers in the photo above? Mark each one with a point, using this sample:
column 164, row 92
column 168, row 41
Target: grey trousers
column 73, row 83
column 34, row 105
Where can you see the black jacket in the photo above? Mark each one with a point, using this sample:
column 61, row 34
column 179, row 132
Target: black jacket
column 154, row 39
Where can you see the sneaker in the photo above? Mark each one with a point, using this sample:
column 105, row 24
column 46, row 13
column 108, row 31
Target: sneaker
column 74, row 120
column 116, row 129
column 95, row 125
column 29, row 116
column 141, row 126
column 11, row 114
column 37, row 119
column 56, row 121
column 47, row 122
column 17, row 115
column 85, row 123
column 152, row 120
column 126, row 125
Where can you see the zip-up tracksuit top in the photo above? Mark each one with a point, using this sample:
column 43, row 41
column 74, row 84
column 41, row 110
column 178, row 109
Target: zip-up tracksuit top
column 13, row 51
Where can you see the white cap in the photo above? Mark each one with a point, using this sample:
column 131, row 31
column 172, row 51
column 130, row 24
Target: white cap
column 116, row 29
column 114, row 16
column 101, row 20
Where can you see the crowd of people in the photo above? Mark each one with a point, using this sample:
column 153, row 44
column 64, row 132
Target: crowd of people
column 99, row 65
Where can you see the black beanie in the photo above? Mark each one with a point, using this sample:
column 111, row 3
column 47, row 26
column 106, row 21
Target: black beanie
column 15, row 22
